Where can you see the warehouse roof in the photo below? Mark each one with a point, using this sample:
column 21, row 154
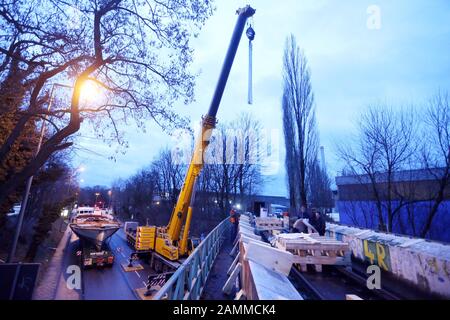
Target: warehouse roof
column 399, row 176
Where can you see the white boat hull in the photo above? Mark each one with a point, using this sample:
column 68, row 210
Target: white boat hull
column 95, row 235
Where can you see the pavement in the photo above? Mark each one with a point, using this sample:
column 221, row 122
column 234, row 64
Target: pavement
column 218, row 274
column 108, row 283
column 114, row 283
column 53, row 285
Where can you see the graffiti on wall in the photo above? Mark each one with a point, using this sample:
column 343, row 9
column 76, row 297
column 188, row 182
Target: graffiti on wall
column 377, row 253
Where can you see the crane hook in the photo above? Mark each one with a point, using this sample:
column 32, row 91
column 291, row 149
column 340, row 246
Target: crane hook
column 251, row 36
column 250, row 33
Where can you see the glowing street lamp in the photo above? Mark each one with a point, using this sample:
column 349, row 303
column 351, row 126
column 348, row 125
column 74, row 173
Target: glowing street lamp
column 65, row 213
column 96, row 197
column 89, row 91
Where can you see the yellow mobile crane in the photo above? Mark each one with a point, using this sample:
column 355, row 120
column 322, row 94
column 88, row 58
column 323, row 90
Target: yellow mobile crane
column 168, row 240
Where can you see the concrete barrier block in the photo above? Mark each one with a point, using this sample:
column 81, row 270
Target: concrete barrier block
column 422, row 263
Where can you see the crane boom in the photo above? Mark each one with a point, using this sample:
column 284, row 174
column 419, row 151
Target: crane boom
column 168, row 238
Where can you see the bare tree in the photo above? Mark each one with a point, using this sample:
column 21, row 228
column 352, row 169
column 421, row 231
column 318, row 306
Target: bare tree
column 137, row 53
column 393, row 133
column 384, row 145
column 435, row 152
column 299, row 122
column 319, row 187
column 51, row 189
column 133, row 198
column 232, row 169
column 231, row 173
column 21, row 152
column 247, row 178
column 170, row 175
column 221, row 165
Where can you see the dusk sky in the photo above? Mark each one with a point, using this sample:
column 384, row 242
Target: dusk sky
column 402, row 61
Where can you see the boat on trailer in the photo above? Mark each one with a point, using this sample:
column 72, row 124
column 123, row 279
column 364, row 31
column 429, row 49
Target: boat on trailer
column 93, row 225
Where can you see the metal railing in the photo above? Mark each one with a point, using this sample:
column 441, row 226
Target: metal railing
column 188, row 281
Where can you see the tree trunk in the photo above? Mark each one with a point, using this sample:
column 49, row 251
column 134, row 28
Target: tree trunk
column 432, row 213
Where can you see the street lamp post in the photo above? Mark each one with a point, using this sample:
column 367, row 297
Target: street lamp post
column 69, row 191
column 96, row 198
column 24, row 202
column 80, row 168
column 110, row 199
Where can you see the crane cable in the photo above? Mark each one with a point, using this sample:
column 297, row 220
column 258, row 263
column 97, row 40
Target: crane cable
column 251, row 36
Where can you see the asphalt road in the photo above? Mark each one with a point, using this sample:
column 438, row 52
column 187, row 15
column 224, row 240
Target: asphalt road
column 114, row 282
column 108, row 283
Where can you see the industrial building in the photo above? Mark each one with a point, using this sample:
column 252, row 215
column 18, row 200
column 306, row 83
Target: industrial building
column 412, row 196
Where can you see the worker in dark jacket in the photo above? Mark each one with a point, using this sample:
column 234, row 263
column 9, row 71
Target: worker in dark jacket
column 303, row 213
column 318, row 222
column 234, row 219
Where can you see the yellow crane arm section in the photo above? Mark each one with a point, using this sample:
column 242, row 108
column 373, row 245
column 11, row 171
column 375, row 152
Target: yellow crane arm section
column 168, row 241
column 184, row 199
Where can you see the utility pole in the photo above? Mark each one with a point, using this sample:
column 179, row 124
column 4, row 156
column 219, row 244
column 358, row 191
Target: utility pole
column 110, row 200
column 24, row 202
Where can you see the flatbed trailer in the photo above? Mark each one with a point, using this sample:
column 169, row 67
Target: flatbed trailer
column 140, row 241
column 146, row 252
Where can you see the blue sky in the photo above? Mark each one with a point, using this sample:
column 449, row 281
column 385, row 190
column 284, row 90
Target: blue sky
column 403, row 62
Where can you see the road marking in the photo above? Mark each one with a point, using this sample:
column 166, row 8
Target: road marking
column 144, row 283
column 137, row 273
column 122, row 254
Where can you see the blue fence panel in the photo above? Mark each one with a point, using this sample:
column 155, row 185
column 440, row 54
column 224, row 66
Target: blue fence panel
column 188, row 281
